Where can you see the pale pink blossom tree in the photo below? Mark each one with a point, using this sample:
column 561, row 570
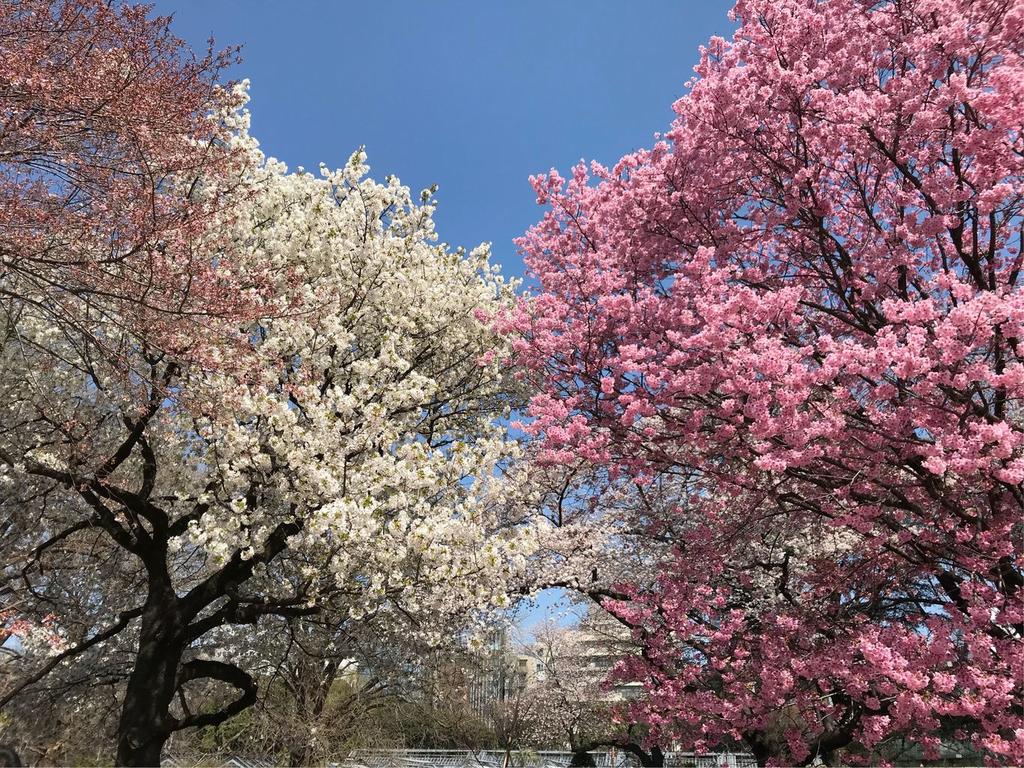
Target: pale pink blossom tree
column 806, row 300
column 110, row 171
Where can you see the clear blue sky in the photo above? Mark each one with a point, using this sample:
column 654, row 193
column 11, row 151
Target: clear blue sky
column 471, row 95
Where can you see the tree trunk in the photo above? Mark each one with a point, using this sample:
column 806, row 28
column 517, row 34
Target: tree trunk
column 146, row 722
column 760, row 751
column 9, row 757
column 655, row 758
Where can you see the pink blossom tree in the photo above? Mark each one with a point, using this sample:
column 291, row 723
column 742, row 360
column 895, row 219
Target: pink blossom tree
column 110, row 170
column 805, row 301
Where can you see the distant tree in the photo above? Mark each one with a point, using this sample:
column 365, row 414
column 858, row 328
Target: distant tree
column 322, row 679
column 573, row 703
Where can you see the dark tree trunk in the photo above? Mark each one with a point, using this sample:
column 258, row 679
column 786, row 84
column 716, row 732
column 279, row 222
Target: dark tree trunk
column 167, row 627
column 146, row 722
column 759, row 749
column 581, row 759
column 9, row 757
column 655, row 758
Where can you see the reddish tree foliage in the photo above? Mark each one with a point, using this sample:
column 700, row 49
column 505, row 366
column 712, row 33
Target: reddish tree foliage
column 807, row 301
column 109, row 166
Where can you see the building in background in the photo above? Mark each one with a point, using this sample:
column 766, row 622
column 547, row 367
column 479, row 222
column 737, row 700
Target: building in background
column 502, row 672
column 599, row 642
column 582, row 656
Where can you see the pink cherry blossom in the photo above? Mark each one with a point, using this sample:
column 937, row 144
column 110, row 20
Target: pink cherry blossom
column 807, row 299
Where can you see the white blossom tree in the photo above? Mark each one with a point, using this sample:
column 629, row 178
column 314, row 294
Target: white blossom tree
column 342, row 449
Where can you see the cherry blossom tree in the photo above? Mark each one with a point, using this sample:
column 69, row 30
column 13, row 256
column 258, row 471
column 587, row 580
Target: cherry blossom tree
column 105, row 137
column 335, row 448
column 804, row 304
column 571, row 704
column 110, row 169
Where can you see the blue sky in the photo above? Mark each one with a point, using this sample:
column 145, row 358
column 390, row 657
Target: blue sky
column 472, row 96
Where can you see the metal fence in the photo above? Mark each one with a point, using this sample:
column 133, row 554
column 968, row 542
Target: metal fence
column 432, row 758
column 450, row 758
